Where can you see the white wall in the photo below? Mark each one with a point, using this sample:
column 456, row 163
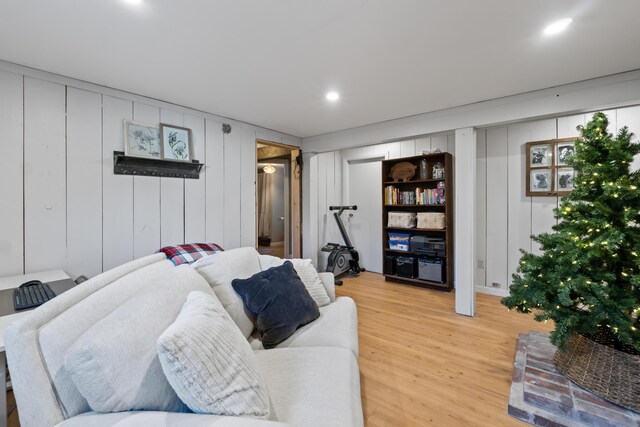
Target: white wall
column 506, row 217
column 62, row 206
column 325, row 187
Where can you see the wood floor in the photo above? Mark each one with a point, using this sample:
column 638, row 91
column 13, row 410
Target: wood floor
column 422, row 364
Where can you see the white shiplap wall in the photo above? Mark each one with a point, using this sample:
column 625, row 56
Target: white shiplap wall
column 506, row 217
column 326, row 186
column 62, row 206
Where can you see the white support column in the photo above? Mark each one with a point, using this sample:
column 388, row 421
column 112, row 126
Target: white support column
column 310, row 206
column 464, row 260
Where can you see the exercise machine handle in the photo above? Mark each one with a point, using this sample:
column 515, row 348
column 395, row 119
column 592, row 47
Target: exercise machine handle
column 343, row 208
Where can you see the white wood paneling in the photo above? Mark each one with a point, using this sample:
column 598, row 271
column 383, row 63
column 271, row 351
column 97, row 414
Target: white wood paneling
column 117, row 190
column 465, row 208
column 451, row 145
column 248, row 232
column 630, row 117
column 567, row 125
column 171, row 194
column 11, row 173
column 44, row 175
column 497, row 194
column 214, row 182
column 195, row 189
column 232, row 188
column 439, row 142
column 84, row 183
column 146, row 196
column 407, row 148
column 481, row 207
column 542, row 218
column 423, row 144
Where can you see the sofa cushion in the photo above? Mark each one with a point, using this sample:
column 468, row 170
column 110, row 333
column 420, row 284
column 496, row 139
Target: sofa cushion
column 162, row 419
column 114, row 364
column 307, row 273
column 278, row 303
column 313, row 387
column 337, row 326
column 188, row 253
column 209, row 363
column 220, row 269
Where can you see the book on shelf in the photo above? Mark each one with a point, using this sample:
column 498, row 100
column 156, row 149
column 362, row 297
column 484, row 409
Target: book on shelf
column 420, row 196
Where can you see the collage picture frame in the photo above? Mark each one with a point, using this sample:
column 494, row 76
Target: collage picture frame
column 548, row 173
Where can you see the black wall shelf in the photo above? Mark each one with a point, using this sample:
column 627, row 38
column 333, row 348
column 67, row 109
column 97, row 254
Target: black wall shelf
column 131, row 165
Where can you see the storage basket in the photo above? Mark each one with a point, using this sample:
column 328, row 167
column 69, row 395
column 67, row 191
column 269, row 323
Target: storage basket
column 397, row 245
column 434, row 220
column 402, row 219
column 593, row 364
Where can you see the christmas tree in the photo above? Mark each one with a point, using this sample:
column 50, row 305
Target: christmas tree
column 587, row 277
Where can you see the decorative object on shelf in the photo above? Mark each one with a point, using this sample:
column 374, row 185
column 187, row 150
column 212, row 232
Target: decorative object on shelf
column 432, row 151
column 402, row 171
column 438, row 171
column 422, row 255
column 586, row 277
column 142, row 140
column 226, row 128
column 176, row 142
column 424, row 170
column 269, row 169
column 548, row 170
column 144, row 166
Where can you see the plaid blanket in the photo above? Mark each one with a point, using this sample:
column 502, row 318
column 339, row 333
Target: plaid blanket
column 188, row 253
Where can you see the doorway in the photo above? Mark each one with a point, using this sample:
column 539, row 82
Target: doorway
column 278, row 215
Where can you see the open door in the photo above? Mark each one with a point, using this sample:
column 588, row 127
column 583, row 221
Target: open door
column 278, row 207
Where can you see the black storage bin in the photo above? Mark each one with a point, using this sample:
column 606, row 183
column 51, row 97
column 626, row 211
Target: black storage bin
column 406, row 266
column 430, row 246
column 390, row 264
column 431, row 269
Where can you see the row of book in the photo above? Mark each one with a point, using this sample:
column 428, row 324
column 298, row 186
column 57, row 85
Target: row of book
column 420, row 196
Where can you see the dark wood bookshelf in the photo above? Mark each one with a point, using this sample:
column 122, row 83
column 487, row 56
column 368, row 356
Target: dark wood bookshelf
column 447, row 208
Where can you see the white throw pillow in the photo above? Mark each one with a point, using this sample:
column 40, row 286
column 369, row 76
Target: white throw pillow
column 115, row 365
column 307, row 272
column 210, row 364
column 220, row 269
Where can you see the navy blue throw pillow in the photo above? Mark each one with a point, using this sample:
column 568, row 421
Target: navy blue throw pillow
column 278, row 303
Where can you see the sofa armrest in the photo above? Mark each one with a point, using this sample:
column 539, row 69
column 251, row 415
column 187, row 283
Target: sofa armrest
column 163, row 419
column 328, row 281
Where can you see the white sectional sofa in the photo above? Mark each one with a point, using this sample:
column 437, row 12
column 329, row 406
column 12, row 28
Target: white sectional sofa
column 312, row 377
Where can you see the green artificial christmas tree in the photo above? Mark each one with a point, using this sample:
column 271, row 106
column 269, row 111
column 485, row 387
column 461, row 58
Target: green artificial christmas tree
column 587, row 277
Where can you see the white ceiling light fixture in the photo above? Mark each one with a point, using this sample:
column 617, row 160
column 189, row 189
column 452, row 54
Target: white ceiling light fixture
column 332, row 96
column 557, row 27
column 133, row 2
column 269, row 168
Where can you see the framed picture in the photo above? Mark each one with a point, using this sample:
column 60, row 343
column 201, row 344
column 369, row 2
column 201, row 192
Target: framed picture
column 563, row 151
column 564, row 180
column 142, row 140
column 540, row 155
column 547, row 170
column 176, row 142
column 540, row 180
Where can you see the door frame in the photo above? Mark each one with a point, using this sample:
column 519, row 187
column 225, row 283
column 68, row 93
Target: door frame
column 295, row 196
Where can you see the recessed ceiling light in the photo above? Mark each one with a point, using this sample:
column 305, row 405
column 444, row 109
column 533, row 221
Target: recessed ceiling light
column 557, row 26
column 333, row 96
column 133, row 2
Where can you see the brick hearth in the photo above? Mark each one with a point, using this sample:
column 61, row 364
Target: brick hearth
column 542, row 396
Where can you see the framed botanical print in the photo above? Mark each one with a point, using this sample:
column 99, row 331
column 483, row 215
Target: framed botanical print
column 548, row 170
column 176, row 142
column 142, row 140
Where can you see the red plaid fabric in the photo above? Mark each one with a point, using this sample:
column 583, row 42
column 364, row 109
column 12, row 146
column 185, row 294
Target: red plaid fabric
column 186, row 254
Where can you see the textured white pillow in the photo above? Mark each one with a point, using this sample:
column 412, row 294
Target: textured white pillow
column 307, row 272
column 115, row 365
column 220, row 269
column 210, row 364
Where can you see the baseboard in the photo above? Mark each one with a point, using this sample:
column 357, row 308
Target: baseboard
column 277, row 244
column 492, row 291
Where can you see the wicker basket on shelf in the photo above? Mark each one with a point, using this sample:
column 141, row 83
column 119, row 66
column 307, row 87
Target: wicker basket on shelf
column 594, row 364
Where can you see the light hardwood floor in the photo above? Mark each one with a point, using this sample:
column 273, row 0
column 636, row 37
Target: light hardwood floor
column 422, row 364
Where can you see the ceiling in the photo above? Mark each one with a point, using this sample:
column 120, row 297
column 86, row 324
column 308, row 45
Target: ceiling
column 271, row 62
